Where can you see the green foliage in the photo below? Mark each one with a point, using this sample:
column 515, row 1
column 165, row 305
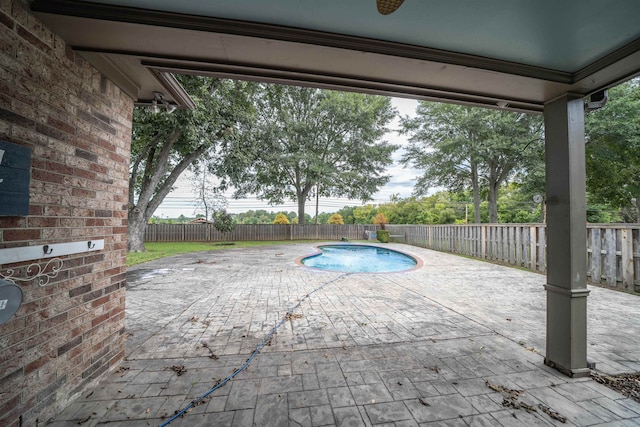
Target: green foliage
column 347, row 214
column 517, row 206
column 382, row 236
column 613, row 152
column 310, row 138
column 599, row 214
column 281, row 219
column 466, row 148
column 323, row 218
column 261, row 216
column 335, row 219
column 223, row 221
column 364, row 214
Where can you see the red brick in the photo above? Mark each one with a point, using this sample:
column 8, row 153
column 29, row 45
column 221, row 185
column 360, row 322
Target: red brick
column 37, row 364
column 119, row 230
column 9, row 404
column 80, row 192
column 53, row 321
column 35, row 209
column 95, row 222
column 60, row 125
column 6, row 21
column 39, row 221
column 12, row 222
column 99, row 319
column 59, row 168
column 21, row 234
column 98, row 302
column 43, row 175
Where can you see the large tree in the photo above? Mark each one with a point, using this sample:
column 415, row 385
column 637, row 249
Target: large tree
column 613, row 151
column 165, row 145
column 315, row 139
column 459, row 148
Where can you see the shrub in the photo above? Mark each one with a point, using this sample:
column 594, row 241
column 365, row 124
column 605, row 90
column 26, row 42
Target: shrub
column 335, row 219
column 281, row 219
column 383, row 236
column 223, row 221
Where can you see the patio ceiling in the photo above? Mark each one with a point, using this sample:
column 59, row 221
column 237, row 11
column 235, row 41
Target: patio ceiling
column 518, row 52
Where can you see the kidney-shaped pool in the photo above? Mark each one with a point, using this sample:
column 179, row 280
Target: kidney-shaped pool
column 360, row 259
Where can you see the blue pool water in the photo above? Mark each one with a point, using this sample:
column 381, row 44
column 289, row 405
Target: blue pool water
column 359, row 259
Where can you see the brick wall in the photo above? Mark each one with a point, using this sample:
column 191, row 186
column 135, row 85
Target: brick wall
column 78, row 126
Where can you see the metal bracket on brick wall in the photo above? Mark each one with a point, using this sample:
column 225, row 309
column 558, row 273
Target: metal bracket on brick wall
column 36, row 271
column 52, row 267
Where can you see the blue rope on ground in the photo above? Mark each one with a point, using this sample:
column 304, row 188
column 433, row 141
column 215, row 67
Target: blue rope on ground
column 266, row 339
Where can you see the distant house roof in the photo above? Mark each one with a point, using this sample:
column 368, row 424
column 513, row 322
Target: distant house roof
column 199, row 221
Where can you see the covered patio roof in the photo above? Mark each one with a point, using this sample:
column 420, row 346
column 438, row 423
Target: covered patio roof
column 517, row 54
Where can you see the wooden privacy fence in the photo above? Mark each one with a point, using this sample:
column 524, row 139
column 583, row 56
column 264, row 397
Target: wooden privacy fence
column 613, row 251
column 260, row 232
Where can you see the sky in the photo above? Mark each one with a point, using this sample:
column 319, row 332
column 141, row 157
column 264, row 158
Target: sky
column 181, row 200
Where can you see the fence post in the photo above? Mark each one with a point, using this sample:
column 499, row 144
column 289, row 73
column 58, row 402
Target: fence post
column 626, row 249
column 596, row 256
column 610, row 260
column 533, row 250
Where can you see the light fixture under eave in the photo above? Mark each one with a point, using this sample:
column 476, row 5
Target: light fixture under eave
column 159, row 101
column 154, row 107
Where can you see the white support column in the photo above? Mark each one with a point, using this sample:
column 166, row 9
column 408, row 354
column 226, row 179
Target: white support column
column 566, row 236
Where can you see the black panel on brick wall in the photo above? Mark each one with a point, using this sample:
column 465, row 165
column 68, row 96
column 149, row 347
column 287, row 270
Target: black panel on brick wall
column 15, row 174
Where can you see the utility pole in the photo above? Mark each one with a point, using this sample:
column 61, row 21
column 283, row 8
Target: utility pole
column 317, row 202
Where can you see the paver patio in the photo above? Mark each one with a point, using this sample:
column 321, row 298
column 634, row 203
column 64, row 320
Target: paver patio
column 441, row 345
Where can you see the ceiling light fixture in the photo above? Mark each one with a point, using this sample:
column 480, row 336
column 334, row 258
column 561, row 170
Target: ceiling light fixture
column 385, row 7
column 158, row 101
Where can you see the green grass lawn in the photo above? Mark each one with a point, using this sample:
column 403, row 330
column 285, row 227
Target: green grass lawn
column 164, row 249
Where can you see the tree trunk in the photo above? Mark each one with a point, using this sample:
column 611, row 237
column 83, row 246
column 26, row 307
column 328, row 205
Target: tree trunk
column 301, row 201
column 493, row 202
column 317, row 203
column 135, row 231
column 154, row 190
column 476, row 193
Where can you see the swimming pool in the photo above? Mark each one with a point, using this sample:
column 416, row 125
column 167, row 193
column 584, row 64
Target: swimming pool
column 359, row 259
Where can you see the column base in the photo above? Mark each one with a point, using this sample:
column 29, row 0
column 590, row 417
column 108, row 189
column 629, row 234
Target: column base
column 567, row 330
column 573, row 373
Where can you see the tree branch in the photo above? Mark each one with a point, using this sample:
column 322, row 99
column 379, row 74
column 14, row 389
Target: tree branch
column 165, row 187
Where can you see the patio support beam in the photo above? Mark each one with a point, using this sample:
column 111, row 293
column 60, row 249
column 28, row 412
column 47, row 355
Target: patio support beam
column 566, row 236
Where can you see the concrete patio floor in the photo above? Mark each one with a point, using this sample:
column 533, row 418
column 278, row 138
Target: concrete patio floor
column 446, row 344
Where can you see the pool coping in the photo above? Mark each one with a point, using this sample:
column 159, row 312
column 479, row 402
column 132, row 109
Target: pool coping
column 298, row 260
